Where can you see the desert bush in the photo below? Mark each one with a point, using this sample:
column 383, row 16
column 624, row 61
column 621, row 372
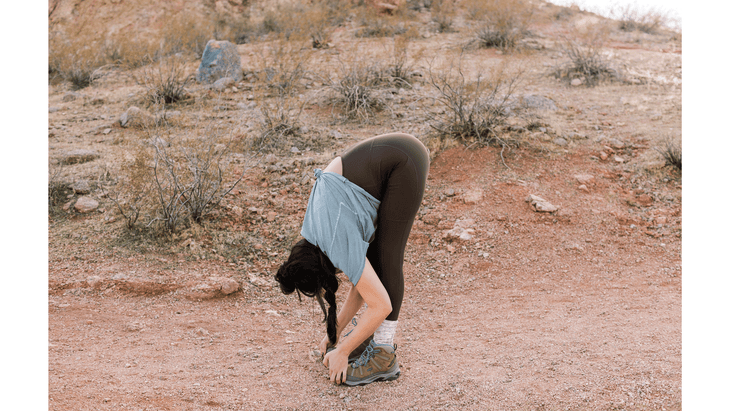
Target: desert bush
column 501, row 23
column 355, row 92
column 474, row 110
column 57, row 189
column 586, row 60
column 278, row 124
column 443, row 13
column 631, row 17
column 75, row 57
column 671, row 150
column 133, row 194
column 399, row 69
column 375, row 24
column 164, row 81
column 282, row 64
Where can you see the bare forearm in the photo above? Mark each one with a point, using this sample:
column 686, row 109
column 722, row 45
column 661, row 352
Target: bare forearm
column 367, row 324
column 352, row 304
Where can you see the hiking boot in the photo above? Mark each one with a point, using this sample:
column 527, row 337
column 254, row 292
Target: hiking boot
column 355, row 354
column 377, row 363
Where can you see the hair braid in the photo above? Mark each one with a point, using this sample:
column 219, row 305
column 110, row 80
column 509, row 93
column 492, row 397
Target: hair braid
column 330, row 289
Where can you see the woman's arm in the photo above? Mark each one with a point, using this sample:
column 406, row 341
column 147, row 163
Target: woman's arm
column 373, row 293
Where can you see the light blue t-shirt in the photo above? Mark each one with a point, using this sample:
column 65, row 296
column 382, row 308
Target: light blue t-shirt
column 340, row 220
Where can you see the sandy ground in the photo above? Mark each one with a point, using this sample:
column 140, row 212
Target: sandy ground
column 576, row 309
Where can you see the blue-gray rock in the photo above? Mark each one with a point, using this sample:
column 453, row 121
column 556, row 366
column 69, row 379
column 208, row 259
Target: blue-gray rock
column 561, row 141
column 220, row 59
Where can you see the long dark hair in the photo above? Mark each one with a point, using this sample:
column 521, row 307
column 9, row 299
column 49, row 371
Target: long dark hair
column 309, row 271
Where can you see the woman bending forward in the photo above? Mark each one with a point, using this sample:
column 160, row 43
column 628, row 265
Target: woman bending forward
column 358, row 219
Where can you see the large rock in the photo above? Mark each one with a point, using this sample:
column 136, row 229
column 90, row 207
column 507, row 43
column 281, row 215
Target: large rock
column 220, row 59
column 86, row 205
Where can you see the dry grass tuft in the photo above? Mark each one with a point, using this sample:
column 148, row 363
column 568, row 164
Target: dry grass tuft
column 501, row 23
column 165, row 81
column 474, row 110
column 356, row 89
column 671, row 150
column 586, row 60
column 632, row 18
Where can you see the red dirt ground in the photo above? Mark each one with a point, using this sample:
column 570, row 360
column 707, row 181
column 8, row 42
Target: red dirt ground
column 576, row 310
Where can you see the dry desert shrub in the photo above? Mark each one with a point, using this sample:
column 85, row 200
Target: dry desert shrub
column 586, row 58
column 500, row 23
column 631, row 17
column 377, row 24
column 671, row 150
column 473, row 110
column 356, row 89
column 443, row 13
column 164, row 81
column 75, row 55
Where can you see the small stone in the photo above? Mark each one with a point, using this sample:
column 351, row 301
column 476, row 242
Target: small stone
column 258, row 246
column 661, row 220
column 304, row 130
column 616, row 143
column 135, row 117
column 81, row 187
column 294, row 149
column 133, row 327
column 226, row 285
column 336, row 134
column 560, row 142
column 86, row 205
column 585, row 179
column 94, row 281
column 576, row 82
column 645, row 200
column 583, row 187
column 603, row 156
column 71, row 96
column 449, row 192
column 53, row 109
column 270, row 216
column 539, row 204
column 618, row 159
column 106, row 131
column 473, row 196
column 222, row 83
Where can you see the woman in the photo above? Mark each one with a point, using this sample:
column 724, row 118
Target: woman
column 358, row 219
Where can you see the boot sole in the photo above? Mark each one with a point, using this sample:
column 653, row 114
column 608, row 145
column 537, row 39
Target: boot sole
column 392, row 376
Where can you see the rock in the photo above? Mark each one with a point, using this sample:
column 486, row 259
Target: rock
column 225, row 285
column 132, row 327
column 540, row 205
column 295, row 150
column 258, row 281
column 222, row 83
column 583, row 187
column 560, row 141
column 661, row 220
column 81, row 187
column 618, row 159
column 94, row 281
column 79, row 156
column 575, row 136
column 449, row 192
column 462, row 230
column 71, row 96
column 538, row 102
column 86, row 205
column 473, row 196
column 576, row 82
column 53, row 109
column 585, row 179
column 135, row 117
column 336, row 134
column 270, row 216
column 645, row 200
column 220, row 59
column 304, row 130
column 616, row 143
column 603, row 155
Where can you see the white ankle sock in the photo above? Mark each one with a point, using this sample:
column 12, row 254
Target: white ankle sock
column 385, row 333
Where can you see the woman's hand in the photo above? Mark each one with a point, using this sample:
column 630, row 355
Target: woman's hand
column 336, row 361
column 323, row 345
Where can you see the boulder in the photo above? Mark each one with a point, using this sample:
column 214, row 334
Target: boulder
column 86, row 205
column 220, row 59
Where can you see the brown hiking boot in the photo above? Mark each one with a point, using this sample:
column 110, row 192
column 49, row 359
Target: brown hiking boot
column 377, row 363
column 355, row 354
